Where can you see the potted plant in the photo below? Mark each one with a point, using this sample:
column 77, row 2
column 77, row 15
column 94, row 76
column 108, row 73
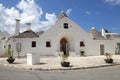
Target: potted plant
column 108, row 58
column 64, row 62
column 10, row 55
column 82, row 53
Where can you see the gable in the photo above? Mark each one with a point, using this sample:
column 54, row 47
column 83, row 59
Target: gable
column 66, row 24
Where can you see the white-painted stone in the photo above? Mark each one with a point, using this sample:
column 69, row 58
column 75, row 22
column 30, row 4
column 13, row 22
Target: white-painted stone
column 73, row 35
column 33, row 58
column 72, row 54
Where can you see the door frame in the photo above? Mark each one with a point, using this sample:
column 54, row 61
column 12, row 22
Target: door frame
column 64, row 46
column 102, row 49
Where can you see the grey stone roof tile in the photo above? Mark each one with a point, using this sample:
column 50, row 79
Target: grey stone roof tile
column 96, row 34
column 27, row 34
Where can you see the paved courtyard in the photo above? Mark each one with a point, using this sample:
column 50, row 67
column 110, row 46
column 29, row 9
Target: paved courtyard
column 53, row 63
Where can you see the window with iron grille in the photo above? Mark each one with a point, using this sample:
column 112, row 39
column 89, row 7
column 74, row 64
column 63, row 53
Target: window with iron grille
column 33, row 43
column 65, row 25
column 82, row 44
column 48, row 44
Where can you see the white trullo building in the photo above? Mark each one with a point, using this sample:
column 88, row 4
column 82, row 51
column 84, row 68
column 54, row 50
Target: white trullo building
column 4, row 37
column 65, row 36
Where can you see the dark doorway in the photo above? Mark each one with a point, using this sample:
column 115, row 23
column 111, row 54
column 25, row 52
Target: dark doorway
column 102, row 52
column 117, row 51
column 64, row 46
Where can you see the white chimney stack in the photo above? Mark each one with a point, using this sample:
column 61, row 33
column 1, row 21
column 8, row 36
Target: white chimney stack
column 17, row 30
column 28, row 26
column 103, row 33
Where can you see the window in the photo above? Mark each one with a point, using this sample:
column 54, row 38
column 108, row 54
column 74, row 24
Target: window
column 48, row 44
column 4, row 46
column 65, row 25
column 82, row 44
column 33, row 43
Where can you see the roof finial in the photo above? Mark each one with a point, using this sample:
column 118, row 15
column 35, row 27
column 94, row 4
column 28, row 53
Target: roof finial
column 93, row 28
column 62, row 15
column 62, row 11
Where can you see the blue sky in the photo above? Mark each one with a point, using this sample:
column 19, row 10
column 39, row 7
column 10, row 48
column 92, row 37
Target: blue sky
column 86, row 13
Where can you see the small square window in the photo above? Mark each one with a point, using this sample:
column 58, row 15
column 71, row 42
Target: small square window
column 82, row 44
column 33, row 43
column 65, row 25
column 48, row 44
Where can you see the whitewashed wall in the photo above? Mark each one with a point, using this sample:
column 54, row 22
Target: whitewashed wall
column 25, row 46
column 74, row 34
column 2, row 47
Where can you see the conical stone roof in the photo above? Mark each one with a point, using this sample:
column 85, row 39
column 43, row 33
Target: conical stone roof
column 27, row 34
column 96, row 34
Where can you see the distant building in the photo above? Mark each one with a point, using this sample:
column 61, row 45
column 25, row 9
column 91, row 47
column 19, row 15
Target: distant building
column 65, row 36
column 4, row 37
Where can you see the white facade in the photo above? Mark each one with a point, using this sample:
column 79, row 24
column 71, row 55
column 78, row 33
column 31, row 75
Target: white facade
column 65, row 36
column 2, row 47
column 4, row 36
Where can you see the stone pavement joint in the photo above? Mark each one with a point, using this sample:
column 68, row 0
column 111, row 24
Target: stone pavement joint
column 53, row 63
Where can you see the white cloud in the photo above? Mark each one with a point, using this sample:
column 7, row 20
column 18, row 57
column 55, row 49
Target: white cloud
column 31, row 11
column 27, row 11
column 88, row 12
column 50, row 20
column 113, row 2
column 68, row 11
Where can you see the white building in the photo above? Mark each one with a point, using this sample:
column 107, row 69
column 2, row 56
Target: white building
column 65, row 36
column 4, row 37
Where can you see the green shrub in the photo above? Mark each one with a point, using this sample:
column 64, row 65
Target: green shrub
column 108, row 55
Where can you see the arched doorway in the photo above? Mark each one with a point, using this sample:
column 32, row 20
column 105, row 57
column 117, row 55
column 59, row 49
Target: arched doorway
column 64, row 46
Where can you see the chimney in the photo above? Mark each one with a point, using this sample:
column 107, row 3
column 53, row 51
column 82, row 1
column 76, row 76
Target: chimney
column 103, row 33
column 28, row 26
column 17, row 27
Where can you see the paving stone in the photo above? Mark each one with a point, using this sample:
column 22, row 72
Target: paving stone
column 53, row 63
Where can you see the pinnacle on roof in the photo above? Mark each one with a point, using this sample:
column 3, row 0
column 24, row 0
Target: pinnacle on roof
column 93, row 28
column 62, row 15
